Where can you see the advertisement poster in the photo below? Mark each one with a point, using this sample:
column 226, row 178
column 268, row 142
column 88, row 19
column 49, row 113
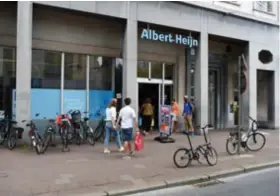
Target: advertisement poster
column 165, row 119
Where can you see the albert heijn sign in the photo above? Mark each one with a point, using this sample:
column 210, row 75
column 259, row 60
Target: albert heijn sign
column 150, row 34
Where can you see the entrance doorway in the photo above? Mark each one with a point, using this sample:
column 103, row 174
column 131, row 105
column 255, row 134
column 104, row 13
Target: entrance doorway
column 157, row 94
column 214, row 96
column 151, row 91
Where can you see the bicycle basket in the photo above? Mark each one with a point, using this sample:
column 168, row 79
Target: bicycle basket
column 76, row 116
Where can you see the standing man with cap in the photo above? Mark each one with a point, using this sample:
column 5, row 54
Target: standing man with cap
column 187, row 113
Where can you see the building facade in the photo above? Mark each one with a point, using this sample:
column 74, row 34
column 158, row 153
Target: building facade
column 57, row 56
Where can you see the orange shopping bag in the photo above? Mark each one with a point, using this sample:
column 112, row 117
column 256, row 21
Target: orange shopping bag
column 138, row 141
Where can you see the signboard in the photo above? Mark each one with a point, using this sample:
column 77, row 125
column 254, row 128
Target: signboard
column 165, row 119
column 168, row 38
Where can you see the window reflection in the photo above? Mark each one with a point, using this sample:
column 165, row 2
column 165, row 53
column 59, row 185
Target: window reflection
column 75, row 71
column 169, row 71
column 46, row 69
column 7, row 78
column 156, row 70
column 143, row 69
column 100, row 73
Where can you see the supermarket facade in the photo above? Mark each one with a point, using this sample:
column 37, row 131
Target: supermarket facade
column 58, row 56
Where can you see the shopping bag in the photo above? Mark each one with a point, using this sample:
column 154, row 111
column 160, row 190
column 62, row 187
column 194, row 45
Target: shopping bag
column 153, row 122
column 138, row 141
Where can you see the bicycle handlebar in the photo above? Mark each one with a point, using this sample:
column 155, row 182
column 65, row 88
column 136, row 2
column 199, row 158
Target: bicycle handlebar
column 252, row 119
column 204, row 127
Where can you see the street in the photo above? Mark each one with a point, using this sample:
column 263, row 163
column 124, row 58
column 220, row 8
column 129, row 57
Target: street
column 260, row 183
column 86, row 170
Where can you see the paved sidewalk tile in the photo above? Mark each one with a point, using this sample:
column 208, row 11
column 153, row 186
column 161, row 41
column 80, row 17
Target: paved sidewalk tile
column 85, row 169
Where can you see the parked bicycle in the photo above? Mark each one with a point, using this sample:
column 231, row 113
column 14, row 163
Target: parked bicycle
column 99, row 131
column 189, row 154
column 87, row 131
column 64, row 124
column 49, row 134
column 35, row 138
column 252, row 136
column 9, row 133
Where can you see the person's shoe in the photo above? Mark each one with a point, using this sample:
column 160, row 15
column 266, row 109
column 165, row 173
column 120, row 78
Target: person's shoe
column 121, row 149
column 126, row 158
column 132, row 153
column 106, row 151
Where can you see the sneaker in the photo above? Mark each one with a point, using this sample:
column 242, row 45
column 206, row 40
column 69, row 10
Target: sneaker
column 132, row 153
column 126, row 158
column 121, row 149
column 106, row 151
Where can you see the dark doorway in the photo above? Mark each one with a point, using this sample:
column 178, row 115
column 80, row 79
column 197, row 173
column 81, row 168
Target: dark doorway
column 150, row 91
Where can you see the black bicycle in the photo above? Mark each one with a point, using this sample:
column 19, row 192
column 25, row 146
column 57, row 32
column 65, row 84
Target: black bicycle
column 99, row 131
column 188, row 155
column 64, row 128
column 9, row 133
column 249, row 139
column 35, row 138
column 49, row 135
column 87, row 131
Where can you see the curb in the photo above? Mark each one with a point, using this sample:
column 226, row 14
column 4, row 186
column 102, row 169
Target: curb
column 196, row 179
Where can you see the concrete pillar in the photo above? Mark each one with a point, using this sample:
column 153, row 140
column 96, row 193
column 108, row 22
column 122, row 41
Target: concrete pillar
column 249, row 97
column 24, row 60
column 130, row 86
column 201, row 80
column 276, row 95
column 180, row 89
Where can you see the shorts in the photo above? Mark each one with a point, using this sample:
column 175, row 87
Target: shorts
column 173, row 117
column 127, row 134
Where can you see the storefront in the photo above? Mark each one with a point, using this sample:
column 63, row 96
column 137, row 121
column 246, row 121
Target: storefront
column 57, row 58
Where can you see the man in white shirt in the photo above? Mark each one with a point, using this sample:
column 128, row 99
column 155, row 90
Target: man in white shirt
column 128, row 119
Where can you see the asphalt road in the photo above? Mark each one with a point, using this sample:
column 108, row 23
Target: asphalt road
column 260, row 183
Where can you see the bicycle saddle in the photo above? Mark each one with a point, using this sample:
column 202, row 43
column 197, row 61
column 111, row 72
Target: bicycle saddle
column 86, row 118
column 51, row 120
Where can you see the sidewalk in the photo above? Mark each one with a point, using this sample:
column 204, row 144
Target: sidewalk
column 85, row 169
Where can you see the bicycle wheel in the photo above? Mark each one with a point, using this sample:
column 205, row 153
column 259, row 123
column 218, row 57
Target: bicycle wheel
column 12, row 142
column 254, row 139
column 231, row 145
column 90, row 136
column 211, row 156
column 186, row 157
column 46, row 142
column 98, row 132
column 38, row 148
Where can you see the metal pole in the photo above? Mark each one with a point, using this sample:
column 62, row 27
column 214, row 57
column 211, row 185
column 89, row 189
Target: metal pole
column 238, row 105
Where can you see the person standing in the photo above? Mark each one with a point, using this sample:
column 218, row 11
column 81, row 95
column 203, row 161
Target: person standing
column 111, row 127
column 175, row 110
column 147, row 115
column 127, row 117
column 193, row 112
column 187, row 113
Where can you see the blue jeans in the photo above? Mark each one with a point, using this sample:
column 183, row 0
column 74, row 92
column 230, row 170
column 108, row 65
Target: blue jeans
column 108, row 131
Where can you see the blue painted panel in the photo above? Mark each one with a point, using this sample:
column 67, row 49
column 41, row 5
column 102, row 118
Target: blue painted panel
column 98, row 101
column 46, row 102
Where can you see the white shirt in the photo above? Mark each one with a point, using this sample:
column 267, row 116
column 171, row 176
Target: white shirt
column 127, row 114
column 110, row 113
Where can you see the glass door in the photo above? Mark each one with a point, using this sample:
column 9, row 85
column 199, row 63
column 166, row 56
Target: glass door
column 212, row 99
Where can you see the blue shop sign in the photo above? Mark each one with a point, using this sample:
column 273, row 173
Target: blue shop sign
column 168, row 37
